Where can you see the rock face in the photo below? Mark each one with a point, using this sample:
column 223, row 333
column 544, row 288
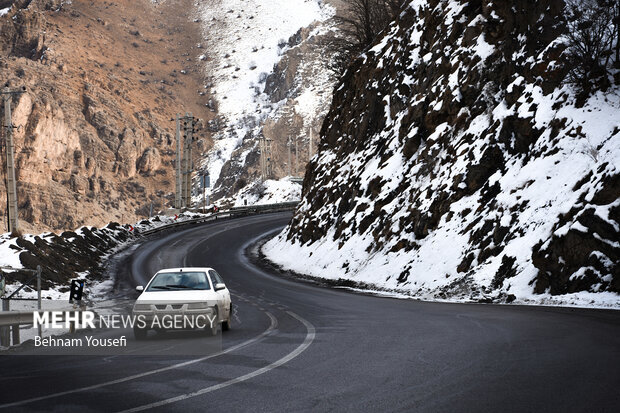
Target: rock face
column 94, row 139
column 149, row 161
column 454, row 162
column 67, row 255
column 23, row 35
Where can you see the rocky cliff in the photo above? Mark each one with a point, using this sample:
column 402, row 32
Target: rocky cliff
column 94, row 138
column 456, row 163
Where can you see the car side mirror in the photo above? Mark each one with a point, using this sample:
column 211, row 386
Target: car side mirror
column 139, row 288
column 219, row 286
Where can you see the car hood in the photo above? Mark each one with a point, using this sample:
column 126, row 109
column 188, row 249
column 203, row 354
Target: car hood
column 176, row 296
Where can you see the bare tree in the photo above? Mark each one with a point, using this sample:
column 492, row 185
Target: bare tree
column 359, row 24
column 593, row 43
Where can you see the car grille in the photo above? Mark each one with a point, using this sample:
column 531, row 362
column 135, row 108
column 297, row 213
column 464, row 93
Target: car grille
column 166, row 306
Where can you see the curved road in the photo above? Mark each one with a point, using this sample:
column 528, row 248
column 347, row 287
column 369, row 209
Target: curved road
column 299, row 347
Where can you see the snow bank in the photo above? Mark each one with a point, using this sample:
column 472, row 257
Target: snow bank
column 269, row 192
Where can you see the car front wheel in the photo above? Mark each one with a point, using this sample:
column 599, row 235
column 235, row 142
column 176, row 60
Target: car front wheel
column 227, row 324
column 213, row 325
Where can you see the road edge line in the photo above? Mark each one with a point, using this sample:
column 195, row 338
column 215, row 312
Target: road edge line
column 310, row 335
column 269, row 330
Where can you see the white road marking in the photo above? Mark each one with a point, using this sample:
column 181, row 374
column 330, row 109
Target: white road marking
column 311, row 333
column 272, row 327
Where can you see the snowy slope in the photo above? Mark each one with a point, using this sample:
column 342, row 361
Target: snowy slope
column 270, row 191
column 245, row 39
column 466, row 170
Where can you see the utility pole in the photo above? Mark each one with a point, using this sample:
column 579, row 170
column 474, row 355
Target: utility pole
column 269, row 158
column 10, row 160
column 296, row 157
column 189, row 129
column 288, row 145
column 184, row 165
column 261, row 143
column 265, row 158
column 205, row 182
column 178, row 203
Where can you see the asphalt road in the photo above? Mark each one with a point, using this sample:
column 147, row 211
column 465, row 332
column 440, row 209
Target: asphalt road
column 300, row 347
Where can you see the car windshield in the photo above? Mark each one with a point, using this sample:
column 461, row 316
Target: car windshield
column 179, row 281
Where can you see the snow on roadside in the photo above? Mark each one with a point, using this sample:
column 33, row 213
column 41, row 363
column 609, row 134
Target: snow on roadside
column 9, row 252
column 269, row 192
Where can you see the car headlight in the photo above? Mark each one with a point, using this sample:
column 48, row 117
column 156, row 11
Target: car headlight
column 197, row 306
column 141, row 307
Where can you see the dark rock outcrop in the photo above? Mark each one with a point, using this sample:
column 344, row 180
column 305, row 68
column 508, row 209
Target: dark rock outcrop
column 453, row 148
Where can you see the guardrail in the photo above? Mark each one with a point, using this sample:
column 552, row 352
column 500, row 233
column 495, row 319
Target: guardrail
column 10, row 322
column 9, row 325
column 230, row 213
column 9, row 318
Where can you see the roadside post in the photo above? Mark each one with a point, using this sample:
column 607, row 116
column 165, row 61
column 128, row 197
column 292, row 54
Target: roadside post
column 15, row 333
column 39, row 296
column 75, row 297
column 5, row 337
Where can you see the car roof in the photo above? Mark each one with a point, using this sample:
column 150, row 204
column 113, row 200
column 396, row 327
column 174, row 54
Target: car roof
column 185, row 269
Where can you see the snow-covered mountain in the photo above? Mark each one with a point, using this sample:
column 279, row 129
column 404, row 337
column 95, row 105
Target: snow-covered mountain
column 457, row 163
column 266, row 70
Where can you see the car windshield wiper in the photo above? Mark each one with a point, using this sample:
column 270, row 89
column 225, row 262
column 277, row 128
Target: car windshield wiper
column 163, row 287
column 176, row 286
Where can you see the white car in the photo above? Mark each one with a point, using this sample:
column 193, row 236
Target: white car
column 183, row 298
